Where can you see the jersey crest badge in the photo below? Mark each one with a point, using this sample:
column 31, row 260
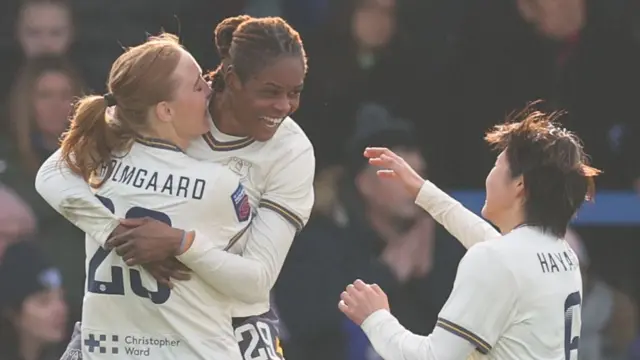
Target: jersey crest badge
column 239, row 166
column 241, row 204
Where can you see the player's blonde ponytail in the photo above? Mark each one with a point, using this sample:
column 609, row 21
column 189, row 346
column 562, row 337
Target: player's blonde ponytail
column 106, row 125
column 91, row 138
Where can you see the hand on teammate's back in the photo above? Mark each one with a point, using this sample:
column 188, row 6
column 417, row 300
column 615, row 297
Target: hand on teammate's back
column 146, row 240
column 394, row 167
column 360, row 300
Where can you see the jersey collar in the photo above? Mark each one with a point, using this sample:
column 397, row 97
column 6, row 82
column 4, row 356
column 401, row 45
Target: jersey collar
column 157, row 143
column 218, row 141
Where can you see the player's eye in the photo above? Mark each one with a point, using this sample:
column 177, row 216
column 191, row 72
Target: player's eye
column 270, row 92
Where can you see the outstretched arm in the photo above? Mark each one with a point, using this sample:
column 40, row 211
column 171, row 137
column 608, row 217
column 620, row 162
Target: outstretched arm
column 463, row 224
column 72, row 197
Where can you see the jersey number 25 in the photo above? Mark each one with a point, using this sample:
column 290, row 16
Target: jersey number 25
column 116, row 285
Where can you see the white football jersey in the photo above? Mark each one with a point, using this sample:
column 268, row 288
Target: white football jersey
column 126, row 313
column 535, row 288
column 277, row 174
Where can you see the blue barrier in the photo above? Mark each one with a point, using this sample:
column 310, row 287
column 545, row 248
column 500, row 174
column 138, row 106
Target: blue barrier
column 609, row 208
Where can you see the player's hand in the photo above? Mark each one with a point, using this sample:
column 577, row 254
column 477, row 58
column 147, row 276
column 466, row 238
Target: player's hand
column 167, row 270
column 360, row 300
column 394, row 168
column 144, row 241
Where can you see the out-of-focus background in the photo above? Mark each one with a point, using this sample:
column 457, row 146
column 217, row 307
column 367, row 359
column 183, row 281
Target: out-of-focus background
column 426, row 77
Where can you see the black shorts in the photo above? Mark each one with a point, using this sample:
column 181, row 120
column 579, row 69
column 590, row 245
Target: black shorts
column 258, row 336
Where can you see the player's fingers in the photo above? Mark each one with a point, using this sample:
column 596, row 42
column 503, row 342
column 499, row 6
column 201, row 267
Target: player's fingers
column 381, row 162
column 376, row 288
column 178, row 266
column 118, row 239
column 180, row 275
column 360, row 285
column 351, row 289
column 343, row 306
column 387, row 174
column 160, row 276
column 124, row 249
column 354, row 292
column 132, row 222
column 131, row 256
column 373, row 152
column 381, row 152
column 347, row 298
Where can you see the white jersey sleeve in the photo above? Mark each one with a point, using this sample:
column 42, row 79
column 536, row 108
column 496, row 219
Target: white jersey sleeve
column 393, row 342
column 482, row 303
column 459, row 221
column 479, row 309
column 73, row 198
column 287, row 208
column 289, row 191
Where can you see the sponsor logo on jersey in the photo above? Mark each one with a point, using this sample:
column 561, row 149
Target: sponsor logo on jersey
column 241, row 205
column 128, row 344
column 239, row 166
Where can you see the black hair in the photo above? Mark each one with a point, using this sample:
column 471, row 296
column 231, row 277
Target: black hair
column 248, row 44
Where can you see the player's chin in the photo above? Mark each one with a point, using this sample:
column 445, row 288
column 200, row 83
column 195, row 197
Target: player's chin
column 485, row 211
column 265, row 133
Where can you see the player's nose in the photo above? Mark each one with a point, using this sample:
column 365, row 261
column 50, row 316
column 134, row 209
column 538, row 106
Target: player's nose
column 282, row 106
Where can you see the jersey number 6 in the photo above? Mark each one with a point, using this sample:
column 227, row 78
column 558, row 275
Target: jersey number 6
column 116, row 285
column 571, row 309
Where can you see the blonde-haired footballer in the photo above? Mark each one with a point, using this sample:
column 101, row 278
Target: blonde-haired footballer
column 517, row 296
column 255, row 90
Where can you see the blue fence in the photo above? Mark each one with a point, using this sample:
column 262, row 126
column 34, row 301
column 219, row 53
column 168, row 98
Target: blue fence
column 609, row 208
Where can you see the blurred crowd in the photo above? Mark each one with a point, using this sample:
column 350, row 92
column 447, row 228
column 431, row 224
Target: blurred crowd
column 424, row 77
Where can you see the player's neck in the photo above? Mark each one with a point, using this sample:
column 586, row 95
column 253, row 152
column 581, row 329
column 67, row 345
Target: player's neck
column 510, row 220
column 30, row 348
column 223, row 116
column 168, row 135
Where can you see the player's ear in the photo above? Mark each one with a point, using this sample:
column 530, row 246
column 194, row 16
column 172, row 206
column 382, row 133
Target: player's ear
column 231, row 78
column 164, row 112
column 518, row 183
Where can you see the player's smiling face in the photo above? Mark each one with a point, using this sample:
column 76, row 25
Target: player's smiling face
column 266, row 99
column 504, row 192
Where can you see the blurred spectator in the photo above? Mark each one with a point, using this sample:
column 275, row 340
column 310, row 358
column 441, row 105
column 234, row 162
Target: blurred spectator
column 392, row 242
column 45, row 27
column 41, row 101
column 42, row 27
column 569, row 53
column 16, row 219
column 609, row 317
column 262, row 8
column 371, row 230
column 361, row 54
column 312, row 277
column 40, row 105
column 33, row 311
